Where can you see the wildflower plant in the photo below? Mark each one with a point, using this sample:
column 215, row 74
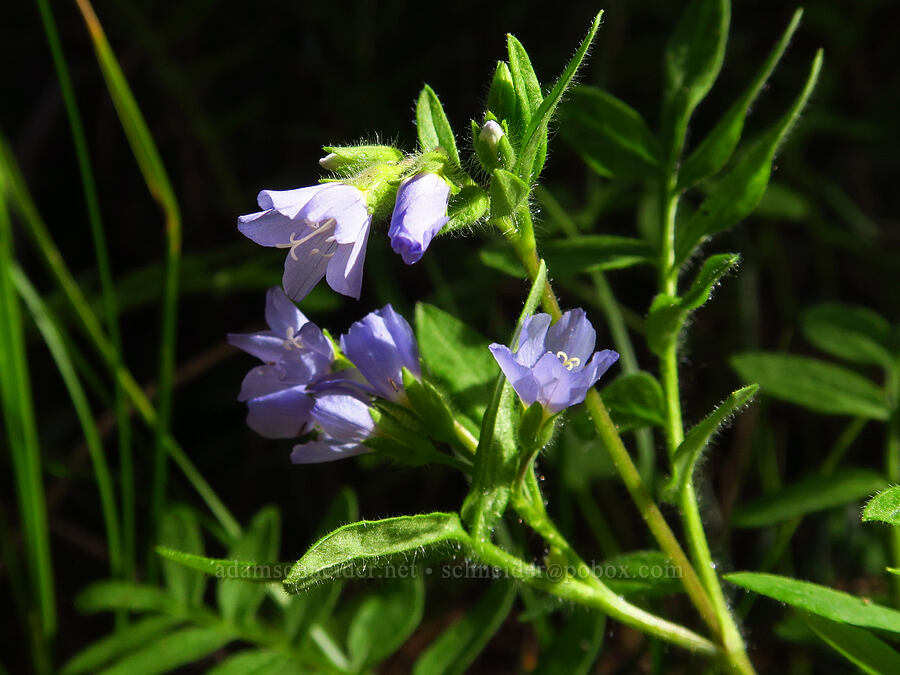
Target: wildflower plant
column 491, row 410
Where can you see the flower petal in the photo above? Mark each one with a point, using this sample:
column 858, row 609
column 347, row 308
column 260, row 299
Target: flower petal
column 345, row 269
column 279, row 415
column 268, row 228
column 303, row 367
column 532, row 339
column 325, row 450
column 288, row 202
column 342, row 203
column 262, row 381
column 573, row 335
column 282, row 315
column 554, row 382
column 419, row 214
column 519, row 376
column 265, row 345
column 343, row 418
column 380, row 345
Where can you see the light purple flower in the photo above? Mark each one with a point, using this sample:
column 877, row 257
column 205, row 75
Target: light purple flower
column 551, row 364
column 298, row 360
column 326, row 227
column 419, row 214
column 380, row 345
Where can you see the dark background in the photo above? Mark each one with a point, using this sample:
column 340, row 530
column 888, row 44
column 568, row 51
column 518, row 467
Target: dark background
column 241, row 96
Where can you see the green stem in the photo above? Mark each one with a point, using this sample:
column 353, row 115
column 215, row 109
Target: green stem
column 692, row 521
column 595, row 595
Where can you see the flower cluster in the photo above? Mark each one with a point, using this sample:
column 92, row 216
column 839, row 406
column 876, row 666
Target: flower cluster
column 301, row 388
column 553, row 364
column 326, row 228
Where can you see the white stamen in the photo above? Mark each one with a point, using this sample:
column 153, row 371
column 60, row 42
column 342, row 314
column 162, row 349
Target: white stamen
column 569, row 363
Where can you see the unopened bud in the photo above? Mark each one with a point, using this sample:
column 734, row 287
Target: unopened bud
column 491, row 133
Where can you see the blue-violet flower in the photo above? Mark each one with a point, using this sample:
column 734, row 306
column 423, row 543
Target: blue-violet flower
column 419, row 214
column 551, row 364
column 380, row 345
column 326, row 227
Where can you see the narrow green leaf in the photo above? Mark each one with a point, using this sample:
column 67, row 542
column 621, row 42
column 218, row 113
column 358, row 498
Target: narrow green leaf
column 884, row 507
column 575, row 648
column 525, row 84
column 534, row 140
column 123, row 641
column 508, row 194
column 567, row 257
column 738, row 193
column 180, row 531
column 368, row 544
column 238, row 601
column 385, row 620
column 459, row 645
column 48, row 326
column 811, row 494
column 716, row 148
column 111, row 595
column 466, row 208
column 458, row 356
column 668, row 314
column 168, row 653
column 693, row 58
column 221, row 568
column 502, row 95
column 850, row 332
column 714, row 268
column 610, row 135
column 433, row 126
column 687, row 454
column 635, row 401
column 819, row 600
column 858, row 646
column 819, row 386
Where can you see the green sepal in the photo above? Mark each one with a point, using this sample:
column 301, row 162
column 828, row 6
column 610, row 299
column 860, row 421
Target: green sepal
column 348, row 160
column 380, row 183
column 466, row 208
column 668, row 313
column 532, row 432
column 431, row 406
column 508, row 194
column 400, row 436
column 502, row 95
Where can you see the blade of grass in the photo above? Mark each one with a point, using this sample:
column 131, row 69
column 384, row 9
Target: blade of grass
column 92, row 201
column 21, row 428
column 58, row 269
column 157, row 180
column 55, row 343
